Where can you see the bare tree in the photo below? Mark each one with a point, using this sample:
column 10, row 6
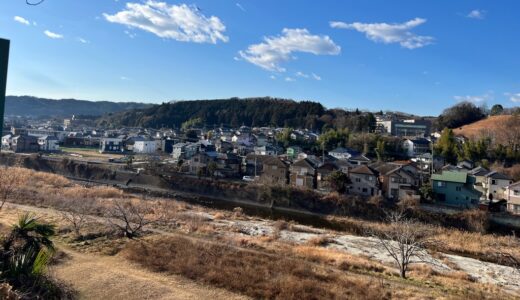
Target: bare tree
column 128, row 218
column 405, row 241
column 77, row 213
column 10, row 181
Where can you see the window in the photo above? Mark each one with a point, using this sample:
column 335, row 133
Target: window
column 441, row 184
column 364, row 190
column 274, row 167
column 458, row 189
column 516, row 192
column 394, row 179
column 369, row 178
column 493, row 182
column 358, row 179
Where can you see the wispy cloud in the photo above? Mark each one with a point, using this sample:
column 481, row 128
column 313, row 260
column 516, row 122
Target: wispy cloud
column 513, row 97
column 307, row 76
column 390, row 33
column 22, row 20
column 124, row 78
column 53, row 35
column 275, row 50
column 184, row 23
column 272, row 77
column 82, row 40
column 240, row 7
column 475, row 99
column 289, row 79
column 477, row 14
column 301, row 74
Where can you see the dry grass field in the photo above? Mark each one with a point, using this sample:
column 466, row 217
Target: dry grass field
column 485, row 127
column 192, row 252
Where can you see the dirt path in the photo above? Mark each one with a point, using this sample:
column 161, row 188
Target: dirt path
column 113, row 277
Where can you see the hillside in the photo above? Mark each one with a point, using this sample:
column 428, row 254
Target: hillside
column 228, row 112
column 34, row 107
column 489, row 126
column 235, row 112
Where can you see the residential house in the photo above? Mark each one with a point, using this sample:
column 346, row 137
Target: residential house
column 6, row 141
column 322, row 175
column 455, row 189
column 293, row 151
column 48, row 143
column 24, row 143
column 184, row 151
column 396, row 181
column 266, row 150
column 229, row 165
column 364, row 181
column 342, row 153
column 513, row 198
column 495, row 184
column 303, row 173
column 111, row 145
column 416, row 147
column 144, row 145
column 274, row 171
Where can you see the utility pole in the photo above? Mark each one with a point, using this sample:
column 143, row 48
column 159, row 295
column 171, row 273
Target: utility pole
column 4, row 60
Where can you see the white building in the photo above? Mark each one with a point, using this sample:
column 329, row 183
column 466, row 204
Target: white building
column 144, row 145
column 513, row 198
column 48, row 143
column 6, row 141
column 494, row 184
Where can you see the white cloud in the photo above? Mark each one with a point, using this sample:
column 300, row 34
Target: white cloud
column 240, row 7
column 130, row 34
column 513, row 97
column 303, row 75
column 178, row 22
column 82, row 40
column 307, row 76
column 477, row 14
column 53, row 35
column 390, row 33
column 474, row 99
column 22, row 20
column 289, row 79
column 278, row 49
column 272, row 77
column 124, row 78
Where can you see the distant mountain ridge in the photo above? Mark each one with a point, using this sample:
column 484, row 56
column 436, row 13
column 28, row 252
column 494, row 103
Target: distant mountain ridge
column 29, row 106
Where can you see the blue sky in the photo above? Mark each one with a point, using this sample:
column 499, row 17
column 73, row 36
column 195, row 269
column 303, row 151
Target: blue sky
column 414, row 56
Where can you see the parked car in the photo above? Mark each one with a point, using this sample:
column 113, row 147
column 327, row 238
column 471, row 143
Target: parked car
column 248, row 178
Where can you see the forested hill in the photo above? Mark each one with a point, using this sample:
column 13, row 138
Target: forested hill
column 232, row 112
column 35, row 107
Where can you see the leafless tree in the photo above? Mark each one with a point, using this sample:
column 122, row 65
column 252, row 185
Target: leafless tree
column 10, row 181
column 77, row 213
column 405, row 241
column 128, row 218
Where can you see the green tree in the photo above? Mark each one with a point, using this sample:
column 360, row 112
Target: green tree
column 447, row 146
column 496, row 109
column 212, row 168
column 381, row 150
column 338, row 181
column 334, row 138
